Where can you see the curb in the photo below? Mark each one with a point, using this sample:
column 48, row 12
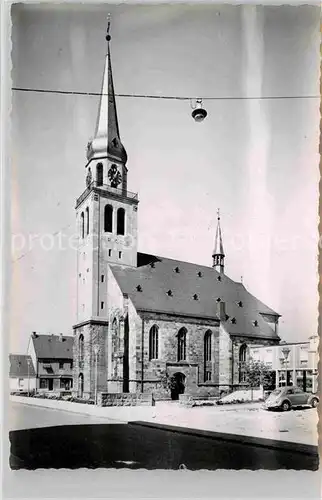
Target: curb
column 289, row 446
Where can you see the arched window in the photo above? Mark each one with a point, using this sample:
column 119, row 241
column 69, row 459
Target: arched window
column 182, row 338
column 153, row 342
column 81, row 351
column 99, row 174
column 82, row 225
column 207, row 345
column 115, row 347
column 242, row 361
column 121, row 221
column 87, row 220
column 108, row 219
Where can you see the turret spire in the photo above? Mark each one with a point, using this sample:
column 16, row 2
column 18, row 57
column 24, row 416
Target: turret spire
column 218, row 254
column 107, row 141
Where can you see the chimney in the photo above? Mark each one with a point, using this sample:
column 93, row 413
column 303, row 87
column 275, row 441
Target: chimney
column 221, row 310
column 60, row 337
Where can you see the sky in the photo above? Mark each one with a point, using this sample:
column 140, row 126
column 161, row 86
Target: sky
column 255, row 159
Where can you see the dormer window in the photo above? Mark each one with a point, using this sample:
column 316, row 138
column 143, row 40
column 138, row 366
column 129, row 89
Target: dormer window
column 169, row 293
column 233, row 320
column 195, row 297
column 139, row 288
column 152, row 265
column 177, row 270
column 218, row 300
column 200, row 274
column 240, row 304
column 255, row 323
column 219, row 278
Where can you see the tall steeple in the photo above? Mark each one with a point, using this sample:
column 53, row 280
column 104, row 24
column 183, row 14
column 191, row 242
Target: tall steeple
column 218, row 255
column 107, row 141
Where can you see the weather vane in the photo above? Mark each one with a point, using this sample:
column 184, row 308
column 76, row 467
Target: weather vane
column 218, row 213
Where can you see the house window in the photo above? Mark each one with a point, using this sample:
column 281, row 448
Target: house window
column 102, row 278
column 120, row 255
column 110, row 253
column 207, row 346
column 20, row 382
column 121, row 221
column 43, row 383
column 82, row 225
column 153, row 342
column 207, row 376
column 81, row 351
column 182, row 337
column 242, row 361
column 65, row 384
column 108, row 219
column 304, row 356
column 102, row 305
column 61, row 365
column 99, row 174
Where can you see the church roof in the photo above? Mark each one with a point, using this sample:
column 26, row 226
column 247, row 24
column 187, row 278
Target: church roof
column 171, row 286
column 53, row 346
column 19, row 366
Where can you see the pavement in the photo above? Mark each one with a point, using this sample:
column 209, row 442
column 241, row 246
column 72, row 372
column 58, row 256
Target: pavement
column 297, row 426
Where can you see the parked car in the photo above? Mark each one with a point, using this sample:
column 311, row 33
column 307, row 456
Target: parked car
column 290, row 396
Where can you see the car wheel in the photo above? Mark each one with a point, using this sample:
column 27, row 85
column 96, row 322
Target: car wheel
column 286, row 406
column 314, row 403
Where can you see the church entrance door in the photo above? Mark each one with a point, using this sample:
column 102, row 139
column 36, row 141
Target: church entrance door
column 177, row 385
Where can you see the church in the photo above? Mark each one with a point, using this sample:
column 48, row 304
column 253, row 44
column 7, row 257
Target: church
column 143, row 319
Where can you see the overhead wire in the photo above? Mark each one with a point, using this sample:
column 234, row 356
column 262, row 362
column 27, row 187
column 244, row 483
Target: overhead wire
column 166, row 97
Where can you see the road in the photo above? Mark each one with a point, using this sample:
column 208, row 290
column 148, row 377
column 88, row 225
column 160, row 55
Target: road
column 57, row 439
column 29, row 417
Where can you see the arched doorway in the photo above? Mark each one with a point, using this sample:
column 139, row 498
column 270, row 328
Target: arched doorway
column 80, row 385
column 177, row 385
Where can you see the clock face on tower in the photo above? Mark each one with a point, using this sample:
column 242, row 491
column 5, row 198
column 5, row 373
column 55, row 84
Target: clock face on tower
column 114, row 176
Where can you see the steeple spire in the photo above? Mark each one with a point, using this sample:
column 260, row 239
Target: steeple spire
column 218, row 255
column 107, row 141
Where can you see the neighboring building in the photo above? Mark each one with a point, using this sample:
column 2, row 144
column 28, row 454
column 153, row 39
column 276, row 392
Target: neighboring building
column 22, row 376
column 294, row 363
column 52, row 356
column 150, row 315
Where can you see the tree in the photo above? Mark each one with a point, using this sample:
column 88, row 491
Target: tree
column 167, row 382
column 257, row 374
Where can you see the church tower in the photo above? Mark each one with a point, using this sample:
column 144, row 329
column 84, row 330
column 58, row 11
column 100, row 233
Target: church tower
column 218, row 256
column 106, row 214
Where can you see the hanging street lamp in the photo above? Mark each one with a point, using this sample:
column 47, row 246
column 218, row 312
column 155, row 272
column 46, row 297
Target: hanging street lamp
column 198, row 113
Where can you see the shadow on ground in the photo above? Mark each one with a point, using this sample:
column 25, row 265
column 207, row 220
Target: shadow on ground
column 135, row 446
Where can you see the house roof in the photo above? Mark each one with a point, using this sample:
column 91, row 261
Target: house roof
column 53, row 346
column 148, row 285
column 19, row 366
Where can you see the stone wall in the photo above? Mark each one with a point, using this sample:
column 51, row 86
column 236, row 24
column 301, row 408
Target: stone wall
column 125, row 399
column 95, row 333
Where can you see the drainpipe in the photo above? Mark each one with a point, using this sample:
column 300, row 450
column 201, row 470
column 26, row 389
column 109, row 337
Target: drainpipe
column 98, row 254
column 142, row 354
column 232, row 364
